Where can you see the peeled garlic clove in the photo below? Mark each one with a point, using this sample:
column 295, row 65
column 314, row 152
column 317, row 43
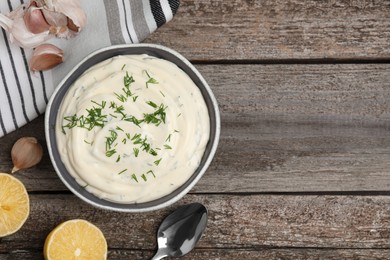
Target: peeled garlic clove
column 46, row 56
column 26, row 153
column 34, row 20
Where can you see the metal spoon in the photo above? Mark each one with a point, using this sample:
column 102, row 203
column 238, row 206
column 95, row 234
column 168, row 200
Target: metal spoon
column 181, row 230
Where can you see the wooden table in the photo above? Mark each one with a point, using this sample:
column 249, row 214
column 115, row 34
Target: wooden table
column 303, row 166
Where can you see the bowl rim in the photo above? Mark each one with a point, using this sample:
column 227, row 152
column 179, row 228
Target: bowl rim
column 205, row 166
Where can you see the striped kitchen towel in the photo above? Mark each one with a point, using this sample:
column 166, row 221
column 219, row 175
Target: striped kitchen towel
column 24, row 95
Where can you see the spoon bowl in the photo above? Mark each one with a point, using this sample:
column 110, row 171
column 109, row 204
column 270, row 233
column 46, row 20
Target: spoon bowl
column 181, row 230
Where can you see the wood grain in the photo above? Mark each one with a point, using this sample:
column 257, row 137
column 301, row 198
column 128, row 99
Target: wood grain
column 285, row 128
column 252, row 225
column 298, row 134
column 278, row 30
column 207, row 254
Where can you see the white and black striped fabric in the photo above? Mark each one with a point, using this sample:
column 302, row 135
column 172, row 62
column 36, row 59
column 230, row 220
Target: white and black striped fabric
column 24, row 95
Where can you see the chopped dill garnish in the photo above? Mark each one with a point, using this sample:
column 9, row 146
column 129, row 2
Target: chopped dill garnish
column 153, row 152
column 90, row 143
column 167, row 147
column 150, row 80
column 136, row 136
column 120, row 97
column 136, row 152
column 127, row 80
column 122, row 171
column 96, row 116
column 133, row 119
column 157, row 162
column 150, row 171
column 111, row 139
column 157, row 117
column 110, row 153
column 102, row 105
column 134, row 177
column 72, row 121
column 152, row 104
column 120, row 110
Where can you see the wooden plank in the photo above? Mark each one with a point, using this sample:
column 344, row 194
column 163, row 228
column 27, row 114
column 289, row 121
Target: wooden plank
column 301, row 128
column 207, row 254
column 248, row 223
column 285, row 128
column 278, row 30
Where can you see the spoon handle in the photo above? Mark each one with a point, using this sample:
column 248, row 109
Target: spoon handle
column 159, row 255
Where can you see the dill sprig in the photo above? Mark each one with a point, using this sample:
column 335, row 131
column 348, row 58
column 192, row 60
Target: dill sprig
column 167, row 147
column 151, row 172
column 150, row 80
column 158, row 116
column 136, row 151
column 122, row 171
column 157, row 162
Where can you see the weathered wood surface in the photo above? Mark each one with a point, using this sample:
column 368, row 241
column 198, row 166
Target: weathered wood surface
column 303, row 166
column 279, row 30
column 266, row 224
column 285, row 128
column 255, row 254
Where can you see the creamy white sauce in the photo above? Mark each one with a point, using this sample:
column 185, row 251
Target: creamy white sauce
column 104, row 159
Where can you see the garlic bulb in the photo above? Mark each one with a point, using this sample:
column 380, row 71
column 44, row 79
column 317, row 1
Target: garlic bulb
column 36, row 22
column 66, row 17
column 19, row 34
column 46, row 56
column 26, row 153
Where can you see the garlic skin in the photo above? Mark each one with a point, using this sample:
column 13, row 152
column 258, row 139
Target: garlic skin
column 46, row 56
column 26, row 153
column 36, row 22
column 55, row 19
column 66, row 16
column 19, row 34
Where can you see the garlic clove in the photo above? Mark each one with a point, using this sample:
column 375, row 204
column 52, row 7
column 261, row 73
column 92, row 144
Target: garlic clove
column 66, row 17
column 72, row 9
column 26, row 152
column 34, row 20
column 46, row 56
column 32, row 24
column 72, row 26
column 55, row 19
column 18, row 32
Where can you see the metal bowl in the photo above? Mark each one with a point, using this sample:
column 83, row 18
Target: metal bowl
column 104, row 54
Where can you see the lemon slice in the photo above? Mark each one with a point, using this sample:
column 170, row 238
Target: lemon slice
column 75, row 239
column 14, row 204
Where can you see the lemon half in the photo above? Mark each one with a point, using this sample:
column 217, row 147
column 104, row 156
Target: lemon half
column 14, row 204
column 75, row 239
